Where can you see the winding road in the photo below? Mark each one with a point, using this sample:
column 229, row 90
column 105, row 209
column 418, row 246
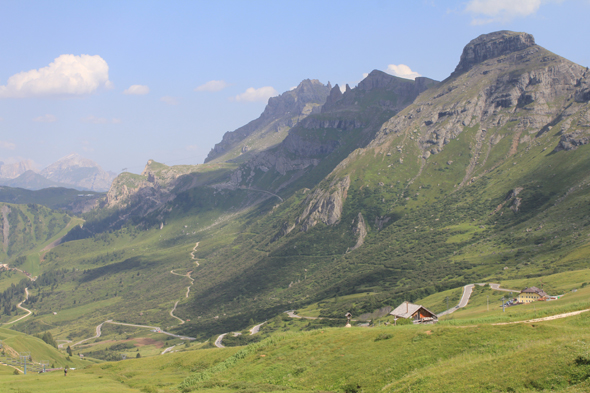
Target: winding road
column 29, row 312
column 256, row 328
column 467, row 291
column 218, row 343
column 155, row 328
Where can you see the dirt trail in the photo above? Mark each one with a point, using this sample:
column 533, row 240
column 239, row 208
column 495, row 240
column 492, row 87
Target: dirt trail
column 187, row 275
column 172, row 313
column 550, row 318
column 29, row 312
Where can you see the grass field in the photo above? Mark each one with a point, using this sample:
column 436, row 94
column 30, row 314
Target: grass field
column 473, row 358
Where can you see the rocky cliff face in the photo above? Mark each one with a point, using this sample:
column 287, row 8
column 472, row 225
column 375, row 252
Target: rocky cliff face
column 151, row 189
column 324, row 205
column 504, row 81
column 356, row 114
column 401, row 93
column 281, row 113
column 489, row 46
column 80, row 172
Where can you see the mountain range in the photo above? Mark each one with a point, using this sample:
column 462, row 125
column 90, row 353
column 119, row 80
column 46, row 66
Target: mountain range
column 72, row 171
column 398, row 188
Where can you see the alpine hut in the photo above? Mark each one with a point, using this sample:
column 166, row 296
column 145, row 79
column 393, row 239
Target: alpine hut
column 416, row 312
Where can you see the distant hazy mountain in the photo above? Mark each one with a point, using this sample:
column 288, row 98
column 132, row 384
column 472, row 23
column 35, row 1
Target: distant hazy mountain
column 78, row 172
column 12, row 171
column 31, row 181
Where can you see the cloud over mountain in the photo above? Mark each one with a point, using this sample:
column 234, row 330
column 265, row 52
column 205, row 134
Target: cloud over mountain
column 67, row 75
column 251, row 94
column 402, row 71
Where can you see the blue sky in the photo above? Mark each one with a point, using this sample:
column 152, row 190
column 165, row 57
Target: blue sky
column 121, row 82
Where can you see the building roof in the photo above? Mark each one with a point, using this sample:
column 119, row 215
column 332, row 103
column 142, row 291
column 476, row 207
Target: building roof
column 407, row 309
column 536, row 290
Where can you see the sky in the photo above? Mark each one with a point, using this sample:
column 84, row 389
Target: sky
column 121, row 82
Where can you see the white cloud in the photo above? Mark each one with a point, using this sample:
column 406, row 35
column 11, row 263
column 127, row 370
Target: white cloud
column 212, row 86
column 45, row 119
column 137, row 90
column 251, row 94
column 169, row 100
column 67, row 75
column 402, row 71
column 7, row 145
column 502, row 10
column 99, row 120
column 192, row 147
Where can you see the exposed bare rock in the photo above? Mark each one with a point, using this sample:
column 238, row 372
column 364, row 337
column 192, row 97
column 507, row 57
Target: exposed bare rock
column 152, row 188
column 503, row 80
column 489, row 46
column 334, row 96
column 516, row 204
column 405, row 90
column 281, row 113
column 324, row 205
column 360, row 230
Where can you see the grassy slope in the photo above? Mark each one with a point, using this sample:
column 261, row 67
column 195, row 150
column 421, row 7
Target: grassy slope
column 440, row 358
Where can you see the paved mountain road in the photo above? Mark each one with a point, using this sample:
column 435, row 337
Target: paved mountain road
column 218, row 343
column 256, row 328
column 467, row 291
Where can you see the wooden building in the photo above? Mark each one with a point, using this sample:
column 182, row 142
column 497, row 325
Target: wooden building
column 416, row 312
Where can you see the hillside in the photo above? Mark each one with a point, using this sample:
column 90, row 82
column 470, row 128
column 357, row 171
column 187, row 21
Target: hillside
column 448, row 357
column 397, row 188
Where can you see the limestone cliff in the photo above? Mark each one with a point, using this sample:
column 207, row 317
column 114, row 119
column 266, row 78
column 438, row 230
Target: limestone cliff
column 281, row 113
column 504, row 82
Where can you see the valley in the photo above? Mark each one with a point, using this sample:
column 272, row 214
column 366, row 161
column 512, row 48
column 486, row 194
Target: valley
column 236, row 274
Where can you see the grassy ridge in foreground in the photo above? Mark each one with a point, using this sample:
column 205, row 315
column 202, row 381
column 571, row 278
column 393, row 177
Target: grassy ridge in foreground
column 477, row 358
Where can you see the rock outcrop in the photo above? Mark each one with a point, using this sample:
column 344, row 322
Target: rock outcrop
column 360, row 231
column 324, row 205
column 489, row 46
column 151, row 189
column 503, row 79
column 281, row 112
column 402, row 92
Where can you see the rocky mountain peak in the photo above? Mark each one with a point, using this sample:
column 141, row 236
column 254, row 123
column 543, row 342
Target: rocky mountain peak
column 488, row 46
column 14, row 170
column 335, row 95
column 293, row 101
column 78, row 171
column 281, row 113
